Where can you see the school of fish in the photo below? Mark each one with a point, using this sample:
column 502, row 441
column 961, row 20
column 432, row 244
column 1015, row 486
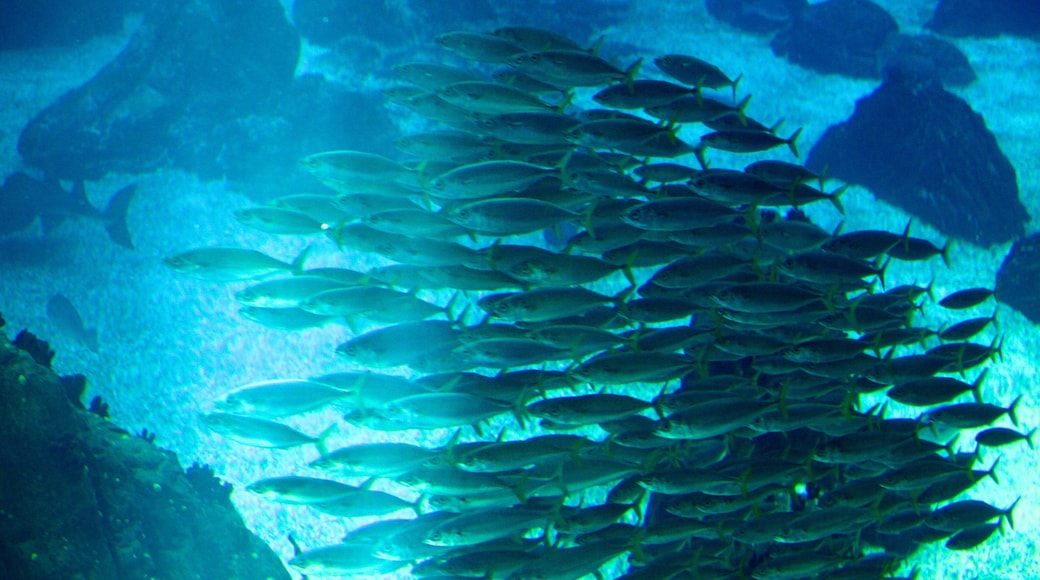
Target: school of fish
column 641, row 367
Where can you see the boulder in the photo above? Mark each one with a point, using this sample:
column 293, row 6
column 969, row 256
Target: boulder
column 758, row 16
column 188, row 58
column 986, row 18
column 837, row 36
column 26, row 24
column 83, row 498
column 923, row 58
column 1019, row 277
column 925, row 150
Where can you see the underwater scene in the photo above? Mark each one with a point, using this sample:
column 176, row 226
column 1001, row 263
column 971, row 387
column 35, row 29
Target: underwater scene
column 718, row 289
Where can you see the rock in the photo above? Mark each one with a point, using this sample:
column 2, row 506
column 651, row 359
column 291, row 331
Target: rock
column 188, row 57
column 925, row 150
column 986, row 18
column 759, row 16
column 85, row 499
column 1019, row 277
column 837, row 36
column 36, row 23
column 925, row 58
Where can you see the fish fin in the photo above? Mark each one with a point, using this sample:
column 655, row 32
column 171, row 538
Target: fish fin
column 792, row 141
column 1007, row 512
column 296, row 551
column 632, row 70
column 945, row 253
column 115, row 216
column 319, row 441
column 1011, row 413
column 297, row 264
column 594, row 49
column 741, row 107
column 977, row 385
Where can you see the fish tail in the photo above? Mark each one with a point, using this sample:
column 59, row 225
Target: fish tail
column 115, row 216
column 1011, row 412
column 835, row 198
column 793, row 140
column 297, row 265
column 1007, row 513
column 632, row 70
column 945, row 253
column 976, row 386
column 736, row 82
column 741, row 107
column 992, row 473
column 319, row 441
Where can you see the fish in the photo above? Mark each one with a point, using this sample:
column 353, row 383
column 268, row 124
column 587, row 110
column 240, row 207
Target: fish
column 296, row 490
column 24, row 198
column 750, row 141
column 492, row 98
column 274, row 220
column 698, row 108
column 64, row 316
column 570, row 67
column 375, row 459
column 488, row 179
column 695, row 72
column 263, row 433
column 289, row 319
column 480, row 47
column 432, row 76
column 967, row 298
column 641, row 94
column 507, row 216
column 228, row 264
column 286, row 292
column 339, row 169
column 340, row 559
column 532, row 38
column 653, row 361
column 279, row 398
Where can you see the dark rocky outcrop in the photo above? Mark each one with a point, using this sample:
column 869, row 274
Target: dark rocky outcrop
column 923, row 58
column 759, row 16
column 986, row 18
column 28, row 24
column 188, row 58
column 82, row 498
column 1019, row 278
column 925, row 150
column 838, row 36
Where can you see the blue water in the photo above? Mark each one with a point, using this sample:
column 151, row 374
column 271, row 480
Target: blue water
column 171, row 345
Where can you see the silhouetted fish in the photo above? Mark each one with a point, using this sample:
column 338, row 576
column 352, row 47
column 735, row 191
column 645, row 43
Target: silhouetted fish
column 66, row 319
column 23, row 198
